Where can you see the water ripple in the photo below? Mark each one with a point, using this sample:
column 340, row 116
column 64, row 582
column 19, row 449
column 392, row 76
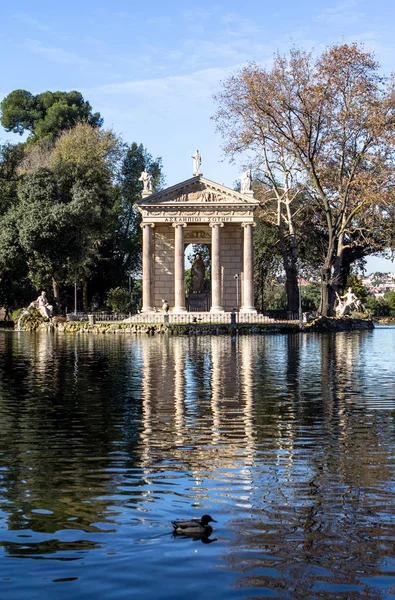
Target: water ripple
column 288, row 441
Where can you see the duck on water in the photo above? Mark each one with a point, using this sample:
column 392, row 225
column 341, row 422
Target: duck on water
column 194, row 526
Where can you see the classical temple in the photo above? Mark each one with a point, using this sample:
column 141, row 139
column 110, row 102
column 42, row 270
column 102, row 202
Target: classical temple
column 198, row 211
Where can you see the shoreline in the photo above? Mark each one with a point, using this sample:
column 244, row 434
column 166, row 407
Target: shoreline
column 318, row 325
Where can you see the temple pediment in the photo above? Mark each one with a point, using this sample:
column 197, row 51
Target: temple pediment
column 198, row 191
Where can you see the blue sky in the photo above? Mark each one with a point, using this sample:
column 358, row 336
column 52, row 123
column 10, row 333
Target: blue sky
column 151, row 68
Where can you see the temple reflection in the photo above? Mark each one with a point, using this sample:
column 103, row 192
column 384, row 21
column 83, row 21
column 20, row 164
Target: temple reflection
column 275, row 432
column 209, row 399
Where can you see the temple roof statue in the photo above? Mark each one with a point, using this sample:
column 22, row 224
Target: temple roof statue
column 197, row 161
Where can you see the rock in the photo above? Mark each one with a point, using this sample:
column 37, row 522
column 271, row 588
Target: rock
column 324, row 324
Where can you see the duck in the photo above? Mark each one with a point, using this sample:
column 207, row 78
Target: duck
column 194, row 526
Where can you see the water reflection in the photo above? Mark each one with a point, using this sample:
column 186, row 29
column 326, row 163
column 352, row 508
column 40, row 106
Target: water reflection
column 287, row 440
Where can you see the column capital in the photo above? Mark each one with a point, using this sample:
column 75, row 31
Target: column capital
column 142, row 225
column 245, row 224
column 214, row 224
column 179, row 224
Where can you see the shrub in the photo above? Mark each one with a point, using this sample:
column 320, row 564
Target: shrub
column 118, row 299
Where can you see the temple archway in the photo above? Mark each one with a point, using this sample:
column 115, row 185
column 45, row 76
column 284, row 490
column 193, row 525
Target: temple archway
column 198, row 277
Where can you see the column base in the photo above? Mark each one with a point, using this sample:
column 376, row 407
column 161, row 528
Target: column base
column 179, row 310
column 217, row 309
column 147, row 309
column 248, row 309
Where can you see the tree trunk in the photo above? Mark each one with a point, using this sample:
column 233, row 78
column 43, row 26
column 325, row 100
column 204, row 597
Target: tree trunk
column 327, row 294
column 329, row 281
column 84, row 294
column 292, row 288
column 56, row 295
column 343, row 274
column 291, row 272
column 55, row 289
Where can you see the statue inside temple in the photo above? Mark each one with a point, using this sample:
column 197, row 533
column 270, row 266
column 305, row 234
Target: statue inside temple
column 197, row 271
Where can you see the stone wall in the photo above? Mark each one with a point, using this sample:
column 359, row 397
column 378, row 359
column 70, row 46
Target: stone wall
column 258, row 325
column 232, row 261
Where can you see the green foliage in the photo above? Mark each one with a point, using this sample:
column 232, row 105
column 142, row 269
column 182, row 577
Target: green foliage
column 389, row 300
column 87, row 154
column 311, row 295
column 67, row 208
column 46, row 114
column 13, row 267
column 275, row 296
column 64, row 211
column 120, row 248
column 43, row 225
column 136, row 159
column 118, row 299
column 137, row 294
column 267, row 264
column 204, row 252
column 18, row 111
column 383, row 307
column 188, row 279
column 377, row 308
column 32, row 320
column 354, row 282
column 67, row 202
column 10, row 156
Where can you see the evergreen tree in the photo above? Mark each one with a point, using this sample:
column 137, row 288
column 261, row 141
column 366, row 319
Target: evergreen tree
column 121, row 250
column 46, row 114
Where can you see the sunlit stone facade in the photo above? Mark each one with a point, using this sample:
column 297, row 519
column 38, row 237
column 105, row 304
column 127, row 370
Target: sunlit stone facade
column 198, row 211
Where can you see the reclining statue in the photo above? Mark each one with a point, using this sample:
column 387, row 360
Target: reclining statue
column 350, row 303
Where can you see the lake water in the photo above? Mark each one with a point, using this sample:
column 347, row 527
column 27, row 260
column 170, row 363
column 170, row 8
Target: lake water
column 287, row 441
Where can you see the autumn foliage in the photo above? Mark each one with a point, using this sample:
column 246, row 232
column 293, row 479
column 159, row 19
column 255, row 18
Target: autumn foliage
column 320, row 128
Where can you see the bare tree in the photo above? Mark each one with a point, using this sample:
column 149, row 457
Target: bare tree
column 279, row 196
column 332, row 120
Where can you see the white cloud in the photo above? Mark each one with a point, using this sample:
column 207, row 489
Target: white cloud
column 193, row 86
column 343, row 13
column 28, row 20
column 197, row 15
column 171, row 115
column 54, row 54
column 162, row 21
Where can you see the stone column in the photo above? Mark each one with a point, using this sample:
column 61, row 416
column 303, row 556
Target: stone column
column 179, row 269
column 248, row 268
column 147, row 267
column 216, row 280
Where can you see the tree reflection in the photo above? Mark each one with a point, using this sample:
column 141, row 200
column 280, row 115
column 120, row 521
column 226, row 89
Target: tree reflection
column 274, row 432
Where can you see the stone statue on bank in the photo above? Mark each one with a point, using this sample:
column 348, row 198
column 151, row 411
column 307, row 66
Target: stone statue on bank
column 347, row 303
column 43, row 306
